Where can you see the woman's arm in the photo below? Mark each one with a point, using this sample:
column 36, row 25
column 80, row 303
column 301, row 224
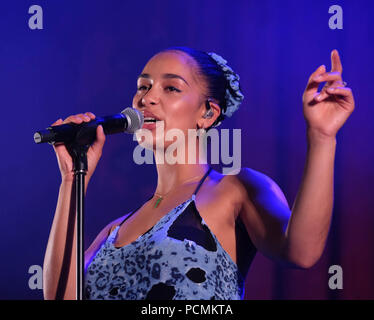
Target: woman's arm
column 60, row 261
column 60, row 257
column 299, row 236
column 310, row 220
column 325, row 113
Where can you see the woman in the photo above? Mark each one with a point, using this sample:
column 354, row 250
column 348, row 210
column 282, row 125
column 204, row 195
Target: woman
column 196, row 237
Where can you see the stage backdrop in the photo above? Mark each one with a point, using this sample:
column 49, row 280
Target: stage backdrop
column 87, row 57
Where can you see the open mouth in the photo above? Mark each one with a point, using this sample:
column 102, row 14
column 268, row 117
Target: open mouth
column 150, row 120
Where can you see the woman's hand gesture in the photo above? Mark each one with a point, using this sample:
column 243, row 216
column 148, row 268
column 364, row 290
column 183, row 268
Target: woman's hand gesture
column 326, row 111
column 94, row 152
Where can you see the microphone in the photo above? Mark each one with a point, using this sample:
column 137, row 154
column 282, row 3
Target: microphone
column 129, row 120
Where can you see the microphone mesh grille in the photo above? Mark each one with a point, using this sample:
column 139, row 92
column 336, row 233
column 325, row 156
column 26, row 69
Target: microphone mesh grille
column 135, row 119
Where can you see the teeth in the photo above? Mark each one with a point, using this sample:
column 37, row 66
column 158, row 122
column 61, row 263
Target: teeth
column 149, row 119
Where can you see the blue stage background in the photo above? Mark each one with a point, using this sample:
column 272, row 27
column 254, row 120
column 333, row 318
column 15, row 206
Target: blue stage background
column 87, row 58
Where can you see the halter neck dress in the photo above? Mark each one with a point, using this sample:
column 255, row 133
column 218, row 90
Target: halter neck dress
column 179, row 258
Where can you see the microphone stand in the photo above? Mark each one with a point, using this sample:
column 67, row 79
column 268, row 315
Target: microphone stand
column 78, row 151
column 79, row 154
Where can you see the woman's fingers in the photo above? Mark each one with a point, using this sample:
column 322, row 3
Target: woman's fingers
column 321, row 96
column 320, row 75
column 330, row 91
column 97, row 146
column 332, row 79
column 94, row 152
column 312, row 86
column 320, row 70
column 91, row 115
column 343, row 91
column 86, row 117
column 328, row 77
column 336, row 64
column 79, row 118
column 58, row 122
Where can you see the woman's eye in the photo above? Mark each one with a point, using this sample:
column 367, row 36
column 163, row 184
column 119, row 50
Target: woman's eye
column 142, row 88
column 170, row 88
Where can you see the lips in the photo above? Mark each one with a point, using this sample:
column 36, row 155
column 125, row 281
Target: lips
column 150, row 117
column 150, row 120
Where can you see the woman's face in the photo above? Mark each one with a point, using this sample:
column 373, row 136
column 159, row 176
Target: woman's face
column 169, row 90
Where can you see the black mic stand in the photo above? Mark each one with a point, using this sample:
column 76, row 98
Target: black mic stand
column 78, row 151
column 79, row 155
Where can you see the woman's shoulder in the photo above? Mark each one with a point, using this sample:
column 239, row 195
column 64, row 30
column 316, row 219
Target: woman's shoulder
column 246, row 177
column 253, row 184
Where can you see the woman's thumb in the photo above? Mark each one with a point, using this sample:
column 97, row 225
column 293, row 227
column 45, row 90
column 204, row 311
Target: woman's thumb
column 100, row 139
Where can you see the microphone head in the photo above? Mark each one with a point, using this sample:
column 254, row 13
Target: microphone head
column 135, row 119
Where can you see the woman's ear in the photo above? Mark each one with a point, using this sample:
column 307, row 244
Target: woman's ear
column 210, row 114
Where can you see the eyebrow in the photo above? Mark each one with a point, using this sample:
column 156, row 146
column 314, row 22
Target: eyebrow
column 165, row 76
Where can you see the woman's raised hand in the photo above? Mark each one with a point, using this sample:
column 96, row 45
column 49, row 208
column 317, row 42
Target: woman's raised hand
column 326, row 111
column 94, row 152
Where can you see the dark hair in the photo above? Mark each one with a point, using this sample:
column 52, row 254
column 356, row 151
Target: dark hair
column 212, row 74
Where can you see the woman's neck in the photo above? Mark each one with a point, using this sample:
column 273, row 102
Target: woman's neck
column 171, row 176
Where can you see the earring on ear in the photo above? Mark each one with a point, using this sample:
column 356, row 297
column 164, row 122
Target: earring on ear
column 210, row 112
column 200, row 132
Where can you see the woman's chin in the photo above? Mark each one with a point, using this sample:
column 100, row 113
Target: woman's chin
column 148, row 139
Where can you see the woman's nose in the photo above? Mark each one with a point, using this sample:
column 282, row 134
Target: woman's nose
column 150, row 98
